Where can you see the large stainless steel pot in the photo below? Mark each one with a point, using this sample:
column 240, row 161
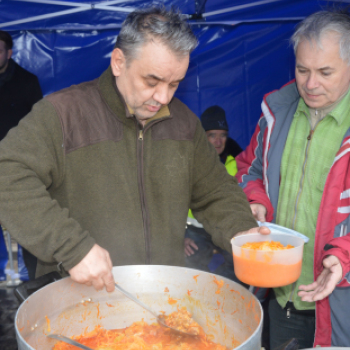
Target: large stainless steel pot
column 231, row 314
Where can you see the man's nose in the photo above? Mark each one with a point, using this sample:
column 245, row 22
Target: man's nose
column 312, row 82
column 162, row 95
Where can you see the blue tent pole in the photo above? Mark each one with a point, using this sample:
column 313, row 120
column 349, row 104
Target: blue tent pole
column 14, row 281
column 4, row 257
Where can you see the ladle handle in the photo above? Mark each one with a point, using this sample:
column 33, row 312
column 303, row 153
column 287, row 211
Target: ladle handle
column 61, row 337
column 137, row 301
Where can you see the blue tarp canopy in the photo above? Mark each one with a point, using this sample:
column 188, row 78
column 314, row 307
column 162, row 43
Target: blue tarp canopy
column 243, row 50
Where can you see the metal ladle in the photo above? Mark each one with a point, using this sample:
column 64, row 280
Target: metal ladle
column 158, row 317
column 70, row 341
column 134, row 299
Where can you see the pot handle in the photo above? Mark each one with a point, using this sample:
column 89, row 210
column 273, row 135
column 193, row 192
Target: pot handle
column 25, row 289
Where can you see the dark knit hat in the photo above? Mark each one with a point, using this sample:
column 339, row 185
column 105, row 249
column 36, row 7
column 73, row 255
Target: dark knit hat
column 214, row 118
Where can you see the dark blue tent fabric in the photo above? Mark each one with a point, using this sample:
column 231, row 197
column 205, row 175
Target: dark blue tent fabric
column 243, row 50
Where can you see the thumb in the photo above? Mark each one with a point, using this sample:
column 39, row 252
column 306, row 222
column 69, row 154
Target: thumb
column 261, row 216
column 109, row 282
column 259, row 211
column 330, row 261
column 263, row 230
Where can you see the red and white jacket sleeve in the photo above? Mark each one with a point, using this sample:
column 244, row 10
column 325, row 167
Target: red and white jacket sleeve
column 250, row 172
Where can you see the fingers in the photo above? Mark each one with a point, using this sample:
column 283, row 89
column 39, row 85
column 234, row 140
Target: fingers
column 321, row 288
column 108, row 279
column 98, row 283
column 252, row 230
column 304, row 296
column 189, row 244
column 261, row 216
column 109, row 282
column 310, row 298
column 263, row 230
column 256, row 216
column 188, row 251
column 308, row 287
column 95, row 269
column 307, row 292
column 310, row 292
column 316, row 295
column 259, row 211
column 193, row 245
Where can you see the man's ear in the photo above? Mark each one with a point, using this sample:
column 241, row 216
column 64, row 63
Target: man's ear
column 117, row 61
column 9, row 54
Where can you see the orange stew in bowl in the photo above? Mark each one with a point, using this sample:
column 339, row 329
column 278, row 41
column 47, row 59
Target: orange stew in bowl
column 254, row 266
column 266, row 245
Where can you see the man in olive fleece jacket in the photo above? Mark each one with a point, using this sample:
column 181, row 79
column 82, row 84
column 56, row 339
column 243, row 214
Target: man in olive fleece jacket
column 103, row 173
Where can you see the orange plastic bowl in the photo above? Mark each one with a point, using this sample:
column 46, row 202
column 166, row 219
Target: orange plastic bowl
column 267, row 268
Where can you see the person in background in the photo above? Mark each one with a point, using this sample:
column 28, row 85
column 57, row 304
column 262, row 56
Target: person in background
column 19, row 91
column 201, row 253
column 117, row 162
column 295, row 172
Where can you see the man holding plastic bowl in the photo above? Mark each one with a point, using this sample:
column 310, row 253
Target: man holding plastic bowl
column 294, row 173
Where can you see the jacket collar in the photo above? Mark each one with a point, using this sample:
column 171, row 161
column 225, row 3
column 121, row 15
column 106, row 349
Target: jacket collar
column 111, row 95
column 337, row 110
column 162, row 113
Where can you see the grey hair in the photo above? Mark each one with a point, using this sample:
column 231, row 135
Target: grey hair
column 155, row 23
column 314, row 27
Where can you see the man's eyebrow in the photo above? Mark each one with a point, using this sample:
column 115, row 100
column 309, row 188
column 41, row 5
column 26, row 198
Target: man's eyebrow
column 326, row 68
column 322, row 68
column 152, row 76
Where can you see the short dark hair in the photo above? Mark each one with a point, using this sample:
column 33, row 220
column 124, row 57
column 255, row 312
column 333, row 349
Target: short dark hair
column 167, row 26
column 7, row 39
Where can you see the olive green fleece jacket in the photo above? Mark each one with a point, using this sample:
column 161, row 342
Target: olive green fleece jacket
column 77, row 171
